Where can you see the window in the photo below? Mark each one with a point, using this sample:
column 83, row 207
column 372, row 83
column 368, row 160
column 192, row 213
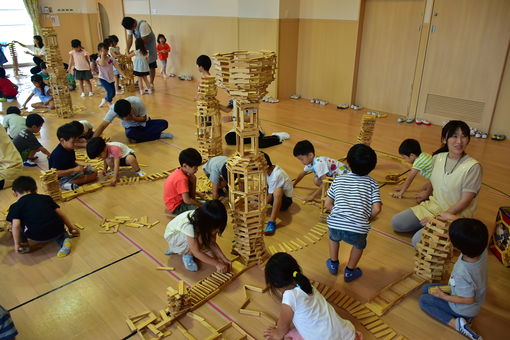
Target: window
column 15, row 24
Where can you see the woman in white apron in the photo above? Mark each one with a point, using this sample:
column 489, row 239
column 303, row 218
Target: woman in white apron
column 456, row 179
column 11, row 165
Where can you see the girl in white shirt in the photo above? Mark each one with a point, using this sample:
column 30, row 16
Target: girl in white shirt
column 302, row 305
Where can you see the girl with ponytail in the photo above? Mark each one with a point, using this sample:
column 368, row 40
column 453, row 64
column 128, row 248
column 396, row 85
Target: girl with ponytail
column 302, row 305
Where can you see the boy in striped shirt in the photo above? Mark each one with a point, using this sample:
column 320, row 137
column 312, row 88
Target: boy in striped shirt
column 354, row 201
column 410, row 150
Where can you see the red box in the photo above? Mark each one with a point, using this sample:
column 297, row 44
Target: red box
column 500, row 244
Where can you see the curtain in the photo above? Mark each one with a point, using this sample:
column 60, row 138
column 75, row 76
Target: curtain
column 32, row 7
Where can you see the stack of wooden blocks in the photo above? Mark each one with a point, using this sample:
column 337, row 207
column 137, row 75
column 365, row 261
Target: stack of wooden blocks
column 14, row 56
column 50, row 184
column 367, row 129
column 246, row 75
column 208, row 119
column 179, row 300
column 433, row 251
column 126, row 65
column 58, row 80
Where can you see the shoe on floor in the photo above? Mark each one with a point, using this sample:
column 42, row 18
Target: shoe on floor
column 103, row 102
column 295, row 96
column 189, row 263
column 418, row 122
column 10, row 100
column 410, row 120
column 140, row 173
column 332, row 266
column 82, row 94
column 282, row 135
column 352, row 274
column 401, row 120
column 270, row 228
column 29, row 163
column 343, row 106
column 463, row 328
column 91, row 94
column 426, row 122
column 478, row 134
column 166, row 135
column 498, row 138
column 485, row 135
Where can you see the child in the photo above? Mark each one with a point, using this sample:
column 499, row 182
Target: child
column 322, row 167
column 280, row 189
column 410, row 150
column 216, row 170
column 84, row 130
column 8, row 330
column 63, row 158
column 181, row 185
column 8, row 91
column 193, row 235
column 163, row 51
column 105, row 65
column 79, row 58
column 38, row 218
column 468, row 280
column 141, row 65
column 71, row 83
column 26, row 142
column 354, row 200
column 114, row 52
column 302, row 305
column 93, row 65
column 115, row 155
column 204, row 65
column 43, row 91
column 44, row 71
column 13, row 122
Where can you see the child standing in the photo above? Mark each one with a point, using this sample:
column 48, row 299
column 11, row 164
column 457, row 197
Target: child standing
column 410, row 150
column 43, row 91
column 280, row 190
column 204, row 65
column 79, row 58
column 26, row 142
column 216, row 170
column 13, row 122
column 63, row 158
column 114, row 52
column 180, row 186
column 37, row 217
column 302, row 305
column 354, row 200
column 193, row 235
column 163, row 51
column 8, row 91
column 115, row 155
column 141, row 65
column 105, row 64
column 468, row 281
column 321, row 167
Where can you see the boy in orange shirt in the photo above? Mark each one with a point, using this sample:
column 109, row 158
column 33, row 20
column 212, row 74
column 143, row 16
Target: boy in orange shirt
column 180, row 187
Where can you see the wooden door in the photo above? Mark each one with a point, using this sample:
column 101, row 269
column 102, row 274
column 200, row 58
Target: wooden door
column 389, row 48
column 465, row 58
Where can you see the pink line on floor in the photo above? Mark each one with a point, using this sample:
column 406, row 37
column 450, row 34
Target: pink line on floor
column 170, row 144
column 149, row 255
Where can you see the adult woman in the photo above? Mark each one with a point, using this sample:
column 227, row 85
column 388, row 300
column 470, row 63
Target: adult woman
column 455, row 179
column 38, row 54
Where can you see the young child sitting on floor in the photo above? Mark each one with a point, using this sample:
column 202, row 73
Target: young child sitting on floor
column 85, row 132
column 216, row 170
column 26, row 142
column 321, row 167
column 13, row 122
column 410, row 150
column 38, row 218
column 43, row 91
column 354, row 200
column 280, row 189
column 63, row 158
column 468, row 281
column 193, row 235
column 115, row 155
column 8, row 91
column 44, row 71
column 181, row 185
column 302, row 306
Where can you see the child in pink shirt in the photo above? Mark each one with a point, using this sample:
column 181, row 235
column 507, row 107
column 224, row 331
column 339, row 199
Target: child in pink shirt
column 79, row 58
column 115, row 155
column 105, row 65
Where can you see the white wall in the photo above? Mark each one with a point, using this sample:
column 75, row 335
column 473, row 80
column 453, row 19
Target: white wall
column 330, row 9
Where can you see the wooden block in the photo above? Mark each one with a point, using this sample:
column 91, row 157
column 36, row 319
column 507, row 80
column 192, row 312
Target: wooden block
column 180, row 287
column 343, row 300
column 347, row 303
column 369, row 320
column 131, row 325
column 245, row 303
column 390, row 335
column 376, row 326
column 154, row 330
column 358, row 309
column 364, row 314
column 165, row 268
column 352, row 306
column 79, row 226
column 139, row 316
column 249, row 312
column 383, row 333
column 255, row 288
column 340, row 296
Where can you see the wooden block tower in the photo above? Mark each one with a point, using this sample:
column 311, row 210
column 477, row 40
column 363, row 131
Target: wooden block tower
column 58, row 80
column 367, row 129
column 179, row 300
column 126, row 65
column 14, row 56
column 207, row 119
column 50, row 184
column 433, row 252
column 246, row 75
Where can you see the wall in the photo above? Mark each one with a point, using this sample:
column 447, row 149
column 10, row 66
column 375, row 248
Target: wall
column 328, row 39
column 501, row 119
column 288, row 37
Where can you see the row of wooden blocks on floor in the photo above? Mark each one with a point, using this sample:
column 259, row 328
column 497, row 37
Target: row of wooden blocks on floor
column 373, row 323
column 313, row 236
column 112, row 225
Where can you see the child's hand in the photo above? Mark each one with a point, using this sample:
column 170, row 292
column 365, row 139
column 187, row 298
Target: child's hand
column 222, row 267
column 22, row 247
column 228, row 263
column 397, row 194
column 271, row 334
column 79, row 168
column 421, row 196
column 438, row 293
column 424, row 221
column 113, row 181
column 446, row 216
column 74, row 231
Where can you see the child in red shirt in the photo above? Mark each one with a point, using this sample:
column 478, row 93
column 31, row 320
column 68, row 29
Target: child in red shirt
column 8, row 90
column 180, row 187
column 163, row 51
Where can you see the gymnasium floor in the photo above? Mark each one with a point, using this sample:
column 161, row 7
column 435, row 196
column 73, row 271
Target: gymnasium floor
column 107, row 277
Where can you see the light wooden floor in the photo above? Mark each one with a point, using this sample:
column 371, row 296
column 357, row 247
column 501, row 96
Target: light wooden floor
column 89, row 294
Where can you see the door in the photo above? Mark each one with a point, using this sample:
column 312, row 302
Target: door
column 389, row 48
column 464, row 61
